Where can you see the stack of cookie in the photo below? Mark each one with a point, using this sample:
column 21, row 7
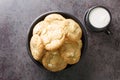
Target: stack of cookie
column 56, row 42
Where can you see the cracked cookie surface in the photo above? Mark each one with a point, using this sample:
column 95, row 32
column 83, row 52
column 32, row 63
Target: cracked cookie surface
column 39, row 27
column 73, row 30
column 53, row 17
column 36, row 47
column 53, row 36
column 71, row 51
column 53, row 61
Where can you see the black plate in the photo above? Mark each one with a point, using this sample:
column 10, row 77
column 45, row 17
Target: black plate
column 40, row 18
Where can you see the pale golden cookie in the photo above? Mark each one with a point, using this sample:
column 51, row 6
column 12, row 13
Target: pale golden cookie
column 53, row 61
column 53, row 36
column 39, row 27
column 80, row 44
column 51, row 17
column 36, row 47
column 71, row 51
column 73, row 30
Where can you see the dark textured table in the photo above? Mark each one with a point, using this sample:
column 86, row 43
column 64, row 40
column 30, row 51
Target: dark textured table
column 100, row 62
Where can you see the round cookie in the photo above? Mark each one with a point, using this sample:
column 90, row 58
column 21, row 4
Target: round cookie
column 53, row 61
column 51, row 17
column 73, row 30
column 39, row 27
column 53, row 36
column 36, row 47
column 71, row 51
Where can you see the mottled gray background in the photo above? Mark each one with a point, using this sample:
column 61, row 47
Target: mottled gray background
column 100, row 62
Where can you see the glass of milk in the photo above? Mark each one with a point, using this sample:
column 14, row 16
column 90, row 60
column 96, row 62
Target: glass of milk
column 98, row 19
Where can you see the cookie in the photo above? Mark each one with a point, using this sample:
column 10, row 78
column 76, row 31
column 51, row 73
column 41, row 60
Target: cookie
column 53, row 36
column 39, row 27
column 53, row 17
column 53, row 61
column 80, row 44
column 36, row 47
column 71, row 51
column 73, row 30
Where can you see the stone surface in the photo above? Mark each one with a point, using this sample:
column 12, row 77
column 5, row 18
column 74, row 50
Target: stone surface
column 100, row 62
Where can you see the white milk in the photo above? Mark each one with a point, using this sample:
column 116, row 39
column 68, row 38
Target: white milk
column 99, row 17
